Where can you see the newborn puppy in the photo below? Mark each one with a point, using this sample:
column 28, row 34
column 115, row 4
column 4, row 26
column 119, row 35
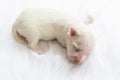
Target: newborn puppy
column 34, row 25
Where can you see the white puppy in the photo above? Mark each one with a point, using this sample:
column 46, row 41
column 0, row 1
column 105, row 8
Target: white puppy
column 34, row 25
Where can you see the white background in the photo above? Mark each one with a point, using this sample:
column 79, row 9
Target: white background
column 17, row 62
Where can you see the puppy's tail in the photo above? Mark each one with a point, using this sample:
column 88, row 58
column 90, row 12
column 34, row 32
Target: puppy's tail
column 88, row 20
column 17, row 35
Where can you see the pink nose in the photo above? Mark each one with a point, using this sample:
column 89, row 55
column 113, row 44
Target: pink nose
column 77, row 58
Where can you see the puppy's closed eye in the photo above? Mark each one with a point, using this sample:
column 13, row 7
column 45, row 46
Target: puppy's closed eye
column 78, row 49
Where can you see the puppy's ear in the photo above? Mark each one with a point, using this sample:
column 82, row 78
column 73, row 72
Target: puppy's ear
column 72, row 32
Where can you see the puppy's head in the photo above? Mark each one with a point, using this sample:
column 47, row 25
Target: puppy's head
column 79, row 45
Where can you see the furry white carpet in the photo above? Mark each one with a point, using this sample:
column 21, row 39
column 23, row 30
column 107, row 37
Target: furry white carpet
column 17, row 62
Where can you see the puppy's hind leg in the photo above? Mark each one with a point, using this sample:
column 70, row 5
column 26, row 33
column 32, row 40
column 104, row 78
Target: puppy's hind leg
column 34, row 45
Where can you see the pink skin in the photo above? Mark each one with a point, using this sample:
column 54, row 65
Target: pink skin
column 75, row 59
column 77, row 56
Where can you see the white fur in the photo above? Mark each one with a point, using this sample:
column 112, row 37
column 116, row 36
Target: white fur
column 42, row 24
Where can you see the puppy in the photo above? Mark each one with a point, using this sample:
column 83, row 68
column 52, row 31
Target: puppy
column 34, row 25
